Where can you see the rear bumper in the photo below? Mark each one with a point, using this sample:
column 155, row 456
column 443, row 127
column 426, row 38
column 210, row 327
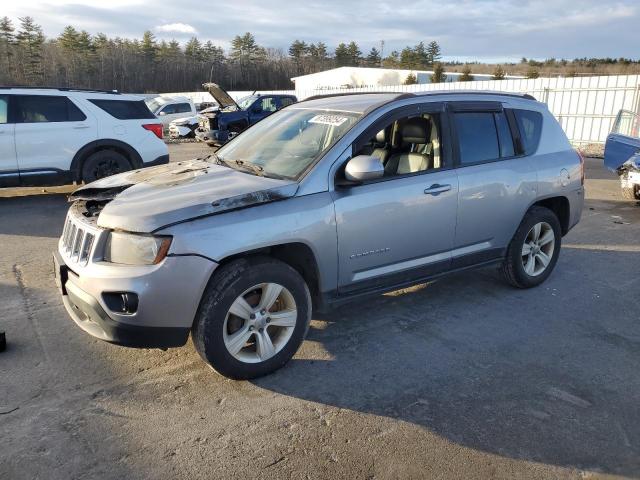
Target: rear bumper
column 161, row 160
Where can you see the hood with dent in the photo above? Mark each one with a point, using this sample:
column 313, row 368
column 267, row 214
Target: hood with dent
column 220, row 95
column 146, row 200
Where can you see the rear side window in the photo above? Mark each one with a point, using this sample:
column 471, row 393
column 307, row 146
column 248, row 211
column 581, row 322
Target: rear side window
column 286, row 101
column 45, row 108
column 477, row 137
column 125, row 109
column 530, row 126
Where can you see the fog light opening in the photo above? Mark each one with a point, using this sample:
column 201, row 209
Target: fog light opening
column 124, row 303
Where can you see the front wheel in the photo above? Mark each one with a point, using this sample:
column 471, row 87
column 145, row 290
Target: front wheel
column 252, row 318
column 534, row 249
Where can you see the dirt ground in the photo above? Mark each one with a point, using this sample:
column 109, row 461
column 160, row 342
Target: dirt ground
column 462, row 378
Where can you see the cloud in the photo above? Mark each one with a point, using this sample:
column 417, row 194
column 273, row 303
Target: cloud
column 183, row 28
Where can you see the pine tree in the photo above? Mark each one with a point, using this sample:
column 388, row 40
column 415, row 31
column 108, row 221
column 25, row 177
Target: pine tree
column 7, row 40
column 193, row 49
column 373, row 59
column 466, row 74
column 68, row 39
column 498, row 73
column 342, row 55
column 433, row 53
column 30, row 39
column 354, row 54
column 411, row 79
column 148, row 45
column 438, row 74
column 244, row 48
column 392, row 61
column 297, row 51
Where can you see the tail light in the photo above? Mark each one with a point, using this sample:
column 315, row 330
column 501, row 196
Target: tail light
column 581, row 157
column 156, row 128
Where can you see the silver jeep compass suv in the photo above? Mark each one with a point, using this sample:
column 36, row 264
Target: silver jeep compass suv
column 326, row 200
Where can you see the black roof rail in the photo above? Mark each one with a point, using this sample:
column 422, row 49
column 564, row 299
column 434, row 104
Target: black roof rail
column 477, row 92
column 62, row 89
column 345, row 94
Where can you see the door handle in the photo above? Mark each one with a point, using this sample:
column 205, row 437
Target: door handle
column 80, row 127
column 437, row 189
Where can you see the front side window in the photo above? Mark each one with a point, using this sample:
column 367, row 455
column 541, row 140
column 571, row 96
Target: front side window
column 406, row 145
column 44, row 108
column 286, row 143
column 169, row 109
column 4, row 108
column 477, row 137
column 182, row 108
column 268, row 104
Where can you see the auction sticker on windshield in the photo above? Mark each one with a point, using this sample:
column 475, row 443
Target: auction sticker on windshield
column 325, row 119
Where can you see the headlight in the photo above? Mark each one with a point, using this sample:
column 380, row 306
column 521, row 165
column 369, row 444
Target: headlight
column 131, row 249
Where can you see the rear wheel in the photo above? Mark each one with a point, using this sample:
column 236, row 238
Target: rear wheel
column 252, row 317
column 104, row 164
column 534, row 249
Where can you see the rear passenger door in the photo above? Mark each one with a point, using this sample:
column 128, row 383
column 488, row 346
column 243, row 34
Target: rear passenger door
column 49, row 130
column 497, row 181
column 8, row 163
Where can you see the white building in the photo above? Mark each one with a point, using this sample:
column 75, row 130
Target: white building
column 351, row 77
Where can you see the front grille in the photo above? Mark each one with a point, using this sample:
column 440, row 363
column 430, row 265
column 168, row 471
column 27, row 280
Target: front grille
column 77, row 240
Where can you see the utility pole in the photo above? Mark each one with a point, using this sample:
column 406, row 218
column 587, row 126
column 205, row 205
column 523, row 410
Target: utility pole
column 381, row 51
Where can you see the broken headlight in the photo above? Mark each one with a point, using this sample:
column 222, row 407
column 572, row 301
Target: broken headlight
column 132, row 249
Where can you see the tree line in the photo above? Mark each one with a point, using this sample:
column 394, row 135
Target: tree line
column 76, row 58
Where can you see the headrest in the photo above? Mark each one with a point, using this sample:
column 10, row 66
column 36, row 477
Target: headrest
column 381, row 136
column 416, row 130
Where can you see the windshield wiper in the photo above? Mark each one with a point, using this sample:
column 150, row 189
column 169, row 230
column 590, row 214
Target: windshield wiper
column 257, row 169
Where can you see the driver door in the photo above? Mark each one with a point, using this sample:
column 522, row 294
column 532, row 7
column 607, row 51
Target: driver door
column 399, row 228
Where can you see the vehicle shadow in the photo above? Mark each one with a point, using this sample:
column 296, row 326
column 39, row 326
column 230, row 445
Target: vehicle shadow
column 33, row 216
column 546, row 375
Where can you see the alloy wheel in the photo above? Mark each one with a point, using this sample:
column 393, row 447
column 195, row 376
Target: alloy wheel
column 260, row 323
column 537, row 250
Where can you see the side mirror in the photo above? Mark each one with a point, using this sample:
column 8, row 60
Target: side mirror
column 363, row 167
column 257, row 109
column 162, row 113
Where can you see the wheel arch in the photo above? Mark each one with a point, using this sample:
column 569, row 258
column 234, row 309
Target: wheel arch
column 104, row 144
column 560, row 206
column 297, row 255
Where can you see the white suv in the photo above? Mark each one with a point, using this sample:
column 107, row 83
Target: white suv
column 56, row 136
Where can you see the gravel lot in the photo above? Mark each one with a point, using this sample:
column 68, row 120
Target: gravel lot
column 462, row 378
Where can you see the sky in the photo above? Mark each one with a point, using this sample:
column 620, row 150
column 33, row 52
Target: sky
column 483, row 30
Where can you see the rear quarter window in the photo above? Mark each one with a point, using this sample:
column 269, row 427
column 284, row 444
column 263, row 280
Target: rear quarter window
column 125, row 109
column 530, row 127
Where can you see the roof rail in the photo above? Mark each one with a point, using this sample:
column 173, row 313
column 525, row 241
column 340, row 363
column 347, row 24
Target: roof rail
column 477, row 92
column 62, row 89
column 345, row 94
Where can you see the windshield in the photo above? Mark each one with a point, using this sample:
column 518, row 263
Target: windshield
column 245, row 102
column 287, row 142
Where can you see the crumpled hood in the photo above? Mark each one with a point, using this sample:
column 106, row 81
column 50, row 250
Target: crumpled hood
column 151, row 198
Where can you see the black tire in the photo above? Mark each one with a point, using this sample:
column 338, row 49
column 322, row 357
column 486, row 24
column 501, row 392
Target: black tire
column 632, row 192
column 104, row 163
column 225, row 286
column 513, row 267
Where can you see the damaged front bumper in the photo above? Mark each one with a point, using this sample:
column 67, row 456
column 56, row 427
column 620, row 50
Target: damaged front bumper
column 147, row 306
column 213, row 137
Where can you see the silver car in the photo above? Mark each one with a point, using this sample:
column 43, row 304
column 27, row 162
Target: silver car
column 322, row 202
